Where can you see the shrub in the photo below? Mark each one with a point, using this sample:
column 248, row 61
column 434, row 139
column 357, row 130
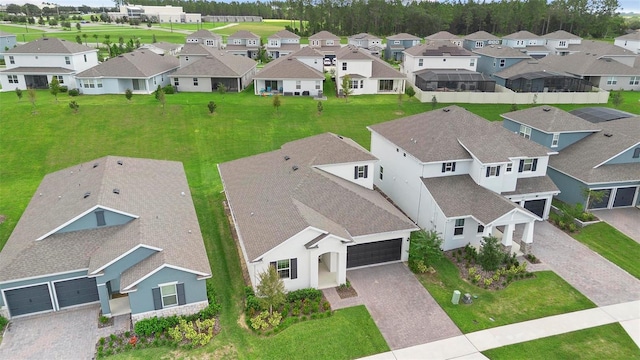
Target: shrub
column 472, row 271
column 253, row 304
column 309, row 293
column 169, row 89
column 259, row 322
column 315, row 306
column 103, row 319
column 425, row 246
column 248, row 291
column 326, row 306
column 74, row 92
column 470, row 252
column 572, row 227
column 155, row 325
column 488, row 281
column 64, row 89
column 490, row 255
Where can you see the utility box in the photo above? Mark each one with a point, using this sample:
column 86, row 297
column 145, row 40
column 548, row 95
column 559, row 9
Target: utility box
column 456, row 297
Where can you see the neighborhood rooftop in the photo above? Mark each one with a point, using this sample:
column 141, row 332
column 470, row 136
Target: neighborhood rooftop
column 218, row 64
column 50, row 46
column 550, row 119
column 137, row 64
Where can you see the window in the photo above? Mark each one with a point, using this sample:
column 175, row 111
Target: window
column 396, row 42
column 612, row 80
column 60, row 78
column 318, row 85
column 562, row 43
column 480, row 229
column 354, row 84
column 315, row 42
column 472, row 62
column 502, row 62
column 100, row 218
column 554, row 141
column 298, row 84
column 344, row 66
column 12, row 60
column 88, row 84
column 283, row 268
column 382, row 171
column 361, row 84
column 209, row 42
column 13, row 79
column 252, row 42
column 509, row 167
column 479, row 44
column 361, row 171
column 195, row 81
column 237, row 42
column 420, row 62
column 386, row 85
column 85, row 57
column 98, row 83
column 528, row 165
column 634, row 80
column 176, row 82
column 67, row 60
column 636, row 153
column 493, row 171
column 273, row 43
column 186, row 58
column 169, row 295
column 525, row 132
column 448, row 166
column 458, row 228
column 329, row 42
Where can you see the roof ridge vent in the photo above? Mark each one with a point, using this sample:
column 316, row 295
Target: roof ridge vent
column 286, row 157
column 446, row 109
column 294, row 167
column 116, row 191
column 546, row 108
column 87, row 194
column 608, row 134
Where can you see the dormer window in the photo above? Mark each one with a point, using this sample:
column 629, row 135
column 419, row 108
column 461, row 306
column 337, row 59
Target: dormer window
column 493, row 171
column 525, row 132
column 528, row 165
column 479, row 44
column 449, row 166
column 100, row 218
column 554, row 141
column 329, row 42
column 636, row 153
column 361, row 172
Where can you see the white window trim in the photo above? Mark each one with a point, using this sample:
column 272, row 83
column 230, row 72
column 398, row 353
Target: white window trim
column 456, row 226
column 162, row 295
column 529, row 164
column 509, row 167
column 555, row 139
column 493, row 171
column 288, row 268
column 525, row 131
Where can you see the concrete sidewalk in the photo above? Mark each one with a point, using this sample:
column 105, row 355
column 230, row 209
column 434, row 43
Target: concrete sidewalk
column 470, row 345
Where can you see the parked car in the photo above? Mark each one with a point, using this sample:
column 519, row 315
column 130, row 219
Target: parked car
column 327, row 62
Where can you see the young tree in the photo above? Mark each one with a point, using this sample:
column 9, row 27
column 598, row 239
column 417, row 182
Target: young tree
column 162, row 99
column 616, row 98
column 410, row 91
column 32, row 99
column 346, row 87
column 592, row 196
column 78, row 39
column 74, row 106
column 19, row 94
column 434, row 102
column 157, row 92
column 222, row 89
column 95, row 36
column 85, row 36
column 320, row 108
column 270, row 289
column 78, row 26
column 54, row 87
column 153, row 39
column 212, row 107
column 276, row 102
column 491, row 255
column 128, row 94
column 424, row 249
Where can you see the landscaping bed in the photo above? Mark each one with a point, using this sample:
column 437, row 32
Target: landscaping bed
column 346, row 290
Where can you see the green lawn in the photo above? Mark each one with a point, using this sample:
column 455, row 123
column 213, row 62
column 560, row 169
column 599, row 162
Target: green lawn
column 612, row 245
column 523, row 300
column 602, row 342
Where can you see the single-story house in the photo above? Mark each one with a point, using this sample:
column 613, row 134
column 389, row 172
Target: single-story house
column 299, row 74
column 206, row 73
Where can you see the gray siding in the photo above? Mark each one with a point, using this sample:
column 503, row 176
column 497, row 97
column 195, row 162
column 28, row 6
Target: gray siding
column 141, row 300
column 626, row 157
column 545, row 139
column 7, row 42
column 570, row 188
column 567, row 139
column 113, row 271
column 89, row 221
column 40, row 280
column 489, row 65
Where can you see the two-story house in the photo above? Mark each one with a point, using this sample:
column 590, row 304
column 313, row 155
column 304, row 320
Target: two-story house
column 206, row 38
column 368, row 74
column 398, row 43
column 34, row 64
column 479, row 39
column 604, row 156
column 454, row 172
column 297, row 74
column 531, row 44
column 282, row 43
column 319, row 192
column 244, row 43
column 629, row 41
column 444, row 36
column 326, row 43
column 7, row 41
column 495, row 58
column 366, row 41
column 561, row 42
column 116, row 231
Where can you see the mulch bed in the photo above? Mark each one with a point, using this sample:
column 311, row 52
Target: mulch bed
column 464, row 267
column 104, row 325
column 346, row 292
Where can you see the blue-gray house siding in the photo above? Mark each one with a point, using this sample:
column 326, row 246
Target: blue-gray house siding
column 472, row 44
column 7, row 42
column 626, row 157
column 90, row 220
column 394, row 51
column 545, row 139
column 489, row 65
column 571, row 189
column 40, row 280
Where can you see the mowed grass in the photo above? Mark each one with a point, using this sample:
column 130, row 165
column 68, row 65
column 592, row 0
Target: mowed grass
column 612, row 245
column 545, row 295
column 602, row 342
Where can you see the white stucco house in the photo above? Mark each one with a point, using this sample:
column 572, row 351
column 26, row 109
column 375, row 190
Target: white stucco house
column 454, row 172
column 282, row 43
column 297, row 74
column 629, row 41
column 369, row 74
column 561, row 42
column 309, row 210
column 527, row 42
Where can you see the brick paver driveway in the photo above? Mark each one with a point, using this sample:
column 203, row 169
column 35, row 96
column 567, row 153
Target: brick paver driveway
column 626, row 220
column 403, row 310
column 597, row 278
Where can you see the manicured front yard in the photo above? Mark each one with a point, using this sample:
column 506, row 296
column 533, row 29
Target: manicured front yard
column 612, row 245
column 602, row 342
column 545, row 295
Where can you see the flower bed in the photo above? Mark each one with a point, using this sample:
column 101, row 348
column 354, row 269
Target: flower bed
column 346, row 290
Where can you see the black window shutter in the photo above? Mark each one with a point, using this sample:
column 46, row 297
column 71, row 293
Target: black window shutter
column 355, row 172
column 453, row 167
column 181, row 298
column 488, row 171
column 274, row 265
column 157, row 298
column 443, row 166
column 521, row 166
column 535, row 165
column 498, row 171
column 366, row 171
column 294, row 268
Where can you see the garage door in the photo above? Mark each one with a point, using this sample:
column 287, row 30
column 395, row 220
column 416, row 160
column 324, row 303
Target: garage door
column 624, row 196
column 604, row 202
column 28, row 300
column 536, row 206
column 374, row 253
column 77, row 291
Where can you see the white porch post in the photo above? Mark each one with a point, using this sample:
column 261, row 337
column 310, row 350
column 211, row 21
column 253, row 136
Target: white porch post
column 313, row 269
column 527, row 237
column 507, row 237
column 342, row 266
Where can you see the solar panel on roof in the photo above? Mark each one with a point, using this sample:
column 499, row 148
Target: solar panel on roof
column 600, row 114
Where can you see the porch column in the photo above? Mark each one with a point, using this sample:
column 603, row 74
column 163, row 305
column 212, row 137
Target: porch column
column 103, row 295
column 488, row 231
column 507, row 237
column 527, row 238
column 313, row 269
column 342, row 266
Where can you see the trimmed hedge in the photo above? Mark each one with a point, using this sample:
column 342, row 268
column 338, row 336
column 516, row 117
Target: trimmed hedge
column 308, row 293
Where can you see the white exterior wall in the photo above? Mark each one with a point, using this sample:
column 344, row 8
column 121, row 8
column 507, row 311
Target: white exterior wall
column 289, row 85
column 541, row 168
column 450, row 62
column 314, row 62
column 435, row 169
column 347, row 172
column 77, row 61
column 360, row 67
column 622, row 83
column 632, row 45
column 186, row 84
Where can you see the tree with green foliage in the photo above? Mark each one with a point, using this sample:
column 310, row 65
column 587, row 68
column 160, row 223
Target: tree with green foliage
column 78, row 39
column 19, row 94
column 320, row 108
column 491, row 255
column 32, row 99
column 212, row 106
column 222, row 89
column 270, row 289
column 616, row 98
column 277, row 102
column 345, row 86
column 424, row 249
column 149, row 24
column 157, row 92
column 78, row 27
column 434, row 102
column 153, row 38
column 85, row 36
column 54, row 87
column 410, row 91
column 74, row 106
column 162, row 99
column 128, row 94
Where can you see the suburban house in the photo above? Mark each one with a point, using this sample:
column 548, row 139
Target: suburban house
column 117, row 231
column 34, row 64
column 443, row 66
column 244, row 43
column 366, row 41
column 141, row 71
column 326, row 43
column 282, row 43
column 454, row 172
column 527, row 42
column 298, row 74
column 164, row 48
column 191, row 53
column 561, row 42
column 205, row 74
column 444, row 36
column 7, row 41
column 319, row 191
column 206, row 38
column 398, row 43
column 539, row 76
column 479, row 39
column 629, row 41
column 495, row 58
column 604, row 156
column 369, row 74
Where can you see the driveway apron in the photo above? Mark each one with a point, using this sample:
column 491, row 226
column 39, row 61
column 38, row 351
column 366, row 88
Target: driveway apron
column 403, row 310
column 626, row 220
column 597, row 278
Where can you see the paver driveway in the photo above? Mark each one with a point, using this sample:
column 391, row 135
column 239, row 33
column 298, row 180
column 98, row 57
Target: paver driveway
column 403, row 310
column 597, row 278
column 626, row 220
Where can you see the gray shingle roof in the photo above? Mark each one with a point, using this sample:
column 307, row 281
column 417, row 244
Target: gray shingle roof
column 439, row 135
column 204, row 34
column 284, row 47
column 167, row 46
column 633, row 36
column 149, row 189
column 37, row 70
column 196, row 49
column 284, row 34
column 379, row 68
column 550, row 119
column 271, row 202
column 600, row 48
column 243, row 34
column 460, row 196
column 403, row 36
column 366, row 36
column 50, row 46
column 137, row 64
column 218, row 64
column 529, row 66
column 498, row 51
column 521, row 35
column 288, row 67
column 324, row 35
column 481, row 35
column 438, row 49
column 579, row 159
column 307, row 51
column 532, row 185
column 560, row 35
column 442, row 35
column 587, row 64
